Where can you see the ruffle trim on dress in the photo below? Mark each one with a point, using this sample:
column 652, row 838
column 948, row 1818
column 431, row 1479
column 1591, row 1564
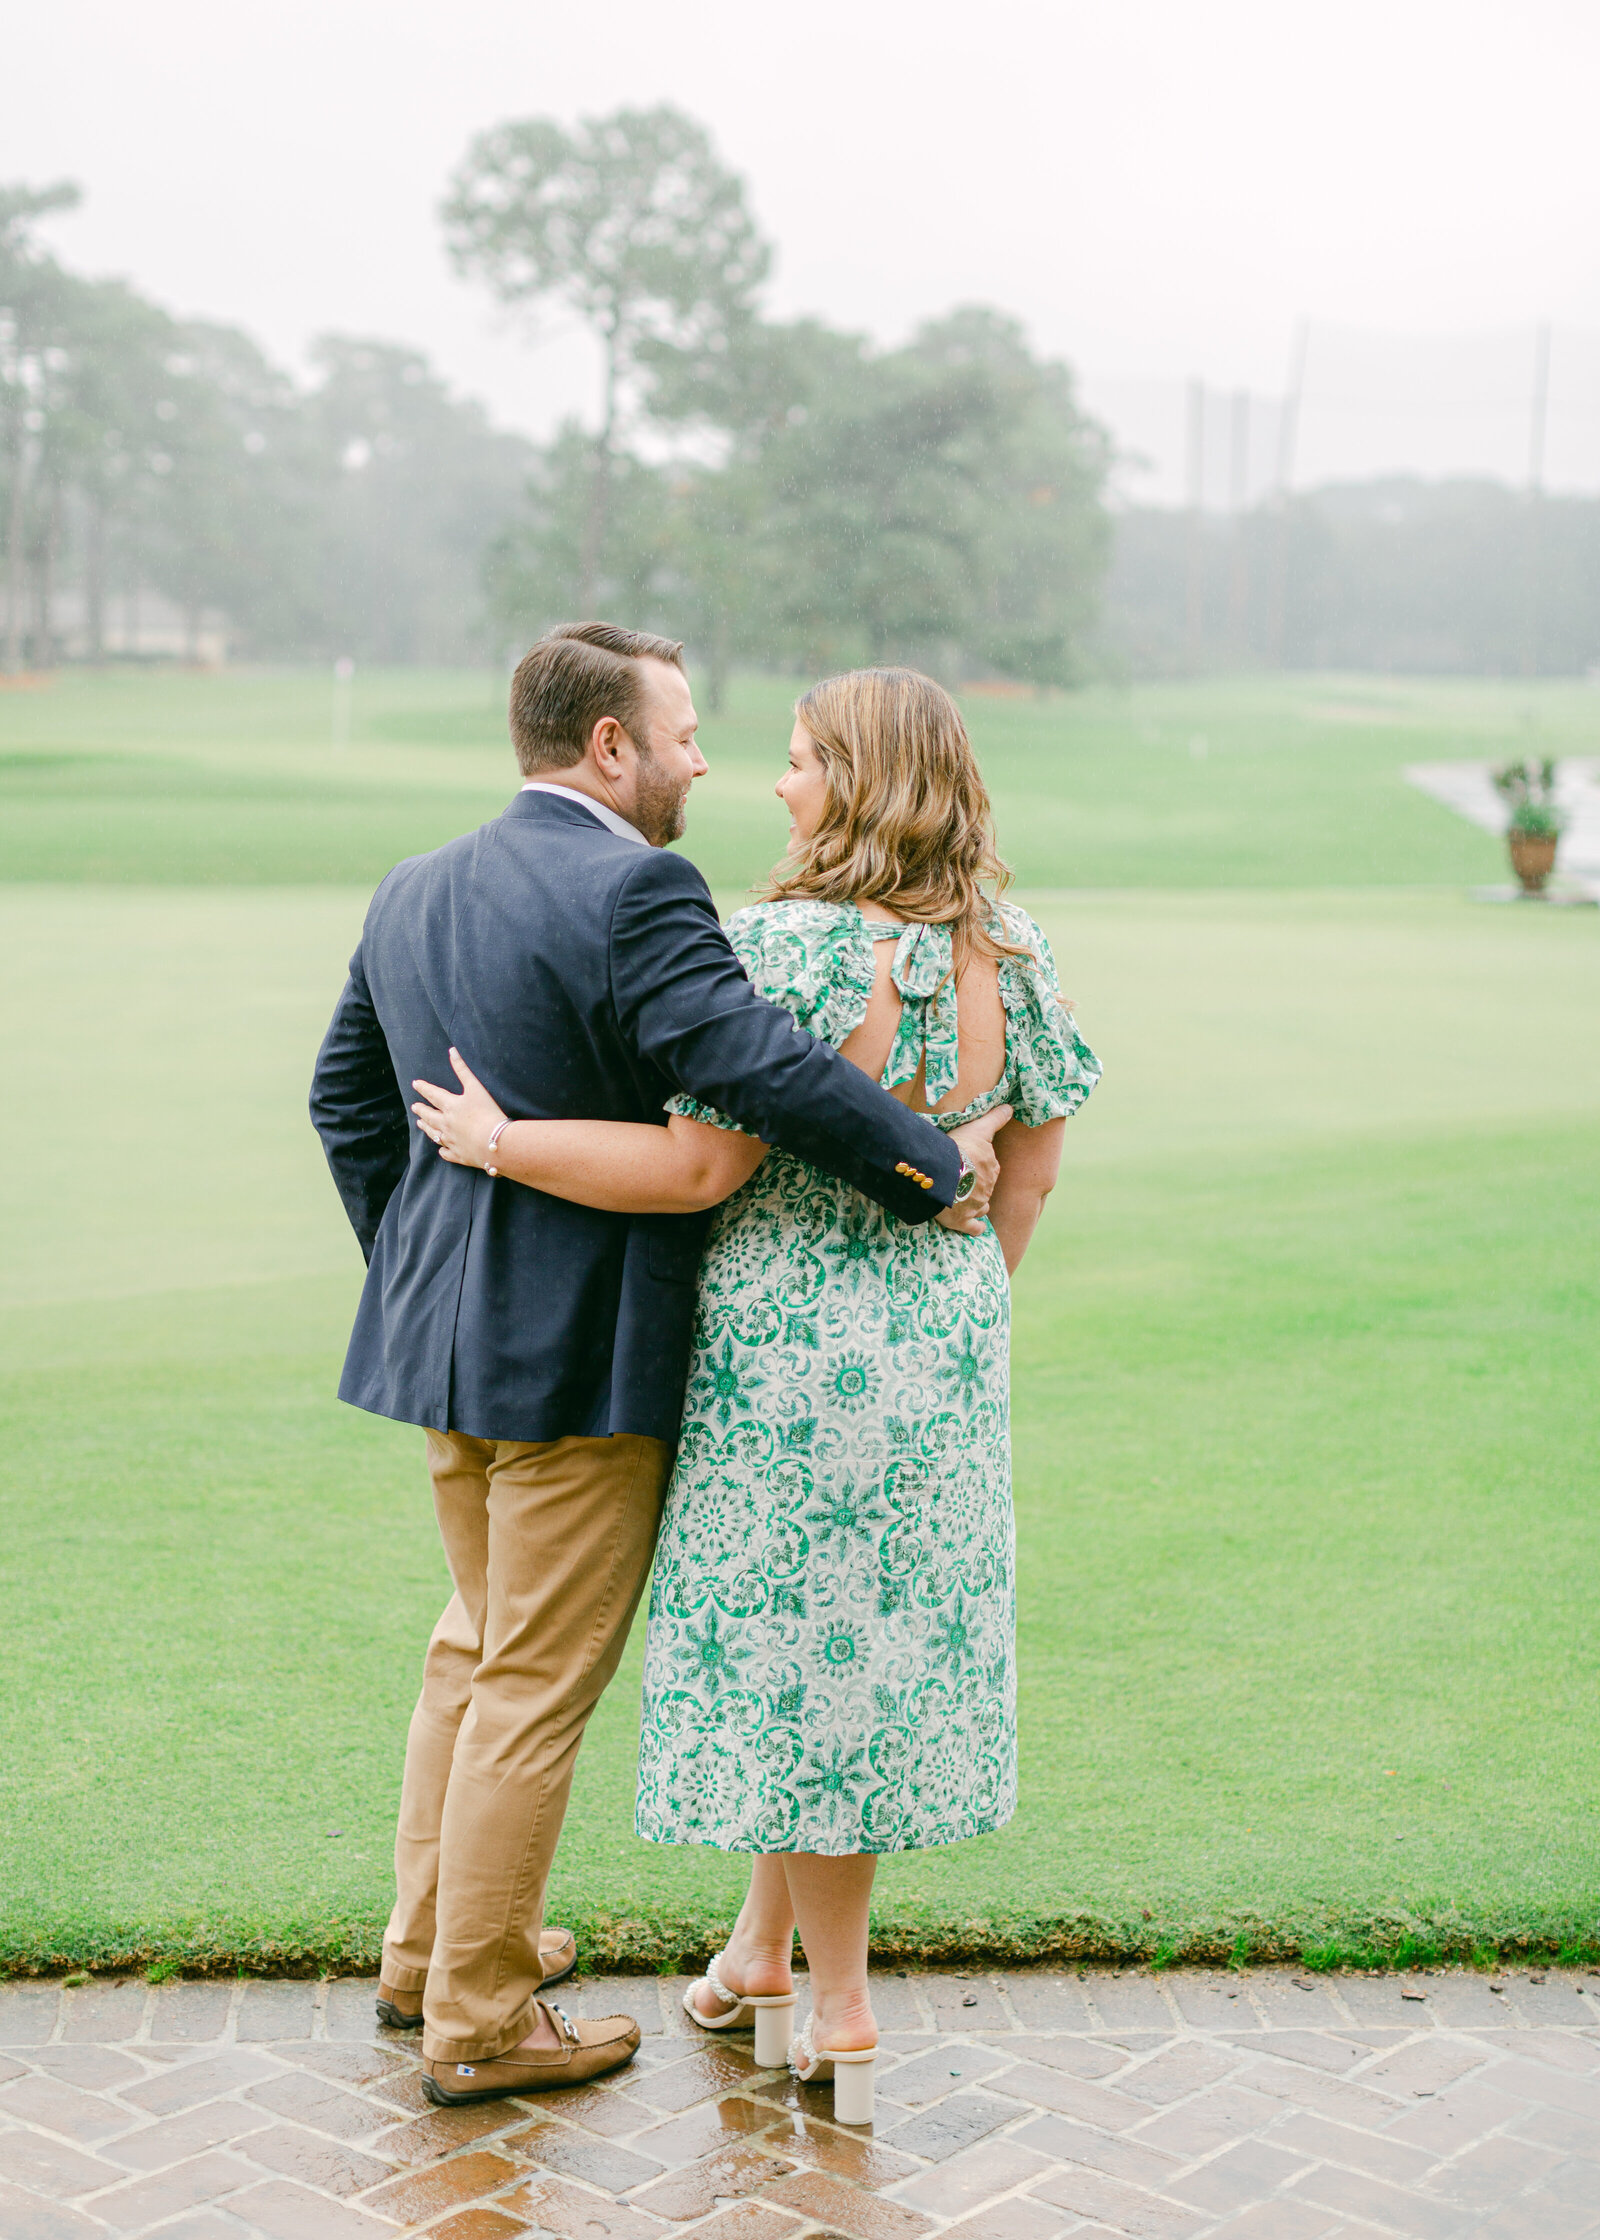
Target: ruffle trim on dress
column 1050, row 1067
column 690, row 1108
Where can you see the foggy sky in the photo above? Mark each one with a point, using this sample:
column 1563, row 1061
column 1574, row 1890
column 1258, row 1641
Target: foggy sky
column 1158, row 189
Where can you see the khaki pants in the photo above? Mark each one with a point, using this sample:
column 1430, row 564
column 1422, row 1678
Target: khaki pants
column 548, row 1546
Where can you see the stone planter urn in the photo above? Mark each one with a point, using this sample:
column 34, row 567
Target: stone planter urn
column 1533, row 858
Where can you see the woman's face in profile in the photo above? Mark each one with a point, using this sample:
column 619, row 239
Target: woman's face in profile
column 803, row 788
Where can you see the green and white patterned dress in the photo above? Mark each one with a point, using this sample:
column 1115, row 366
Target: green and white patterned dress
column 830, row 1661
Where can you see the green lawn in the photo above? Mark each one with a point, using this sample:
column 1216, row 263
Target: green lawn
column 229, row 780
column 1305, row 1403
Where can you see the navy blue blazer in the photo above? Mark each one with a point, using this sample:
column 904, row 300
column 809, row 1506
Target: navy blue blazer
column 581, row 976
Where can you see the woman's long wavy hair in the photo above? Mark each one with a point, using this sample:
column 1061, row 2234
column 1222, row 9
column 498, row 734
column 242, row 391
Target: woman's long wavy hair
column 906, row 821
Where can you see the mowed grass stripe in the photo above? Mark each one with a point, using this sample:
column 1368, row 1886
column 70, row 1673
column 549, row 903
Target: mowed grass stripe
column 1261, row 782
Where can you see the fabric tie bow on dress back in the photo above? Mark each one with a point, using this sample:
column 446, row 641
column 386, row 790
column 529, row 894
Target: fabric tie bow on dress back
column 925, row 1041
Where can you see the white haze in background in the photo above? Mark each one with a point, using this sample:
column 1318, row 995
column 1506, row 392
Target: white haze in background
column 1158, row 189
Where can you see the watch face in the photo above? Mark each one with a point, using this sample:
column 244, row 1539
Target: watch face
column 969, row 1176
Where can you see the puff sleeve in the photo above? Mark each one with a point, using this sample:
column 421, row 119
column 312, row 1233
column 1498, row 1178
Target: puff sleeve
column 1052, row 1068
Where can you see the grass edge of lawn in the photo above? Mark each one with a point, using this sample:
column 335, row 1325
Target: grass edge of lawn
column 667, row 1941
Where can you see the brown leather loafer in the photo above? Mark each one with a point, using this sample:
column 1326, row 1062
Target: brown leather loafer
column 587, row 2049
column 558, row 1949
column 558, row 1954
column 399, row 2010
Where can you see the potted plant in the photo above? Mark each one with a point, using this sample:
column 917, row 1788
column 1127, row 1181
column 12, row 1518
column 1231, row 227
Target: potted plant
column 1536, row 823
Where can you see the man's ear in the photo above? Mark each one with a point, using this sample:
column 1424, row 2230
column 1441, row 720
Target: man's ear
column 606, row 740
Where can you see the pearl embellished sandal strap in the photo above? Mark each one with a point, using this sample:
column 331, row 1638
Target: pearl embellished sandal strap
column 714, row 1979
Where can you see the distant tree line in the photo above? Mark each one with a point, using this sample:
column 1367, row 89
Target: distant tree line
column 1396, row 574
column 798, row 497
column 141, row 453
column 778, row 493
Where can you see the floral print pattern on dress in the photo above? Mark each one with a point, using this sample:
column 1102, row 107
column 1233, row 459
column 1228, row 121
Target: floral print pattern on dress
column 830, row 1657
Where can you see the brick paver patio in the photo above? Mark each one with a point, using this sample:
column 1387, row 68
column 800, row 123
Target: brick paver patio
column 1011, row 2106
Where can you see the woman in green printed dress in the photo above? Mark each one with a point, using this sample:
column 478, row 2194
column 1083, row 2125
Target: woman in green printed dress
column 830, row 1661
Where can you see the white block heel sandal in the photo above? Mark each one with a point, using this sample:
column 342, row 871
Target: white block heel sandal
column 773, row 2015
column 852, row 2075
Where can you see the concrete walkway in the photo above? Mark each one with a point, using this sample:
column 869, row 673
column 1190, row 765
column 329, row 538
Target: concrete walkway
column 1013, row 2106
column 1466, row 788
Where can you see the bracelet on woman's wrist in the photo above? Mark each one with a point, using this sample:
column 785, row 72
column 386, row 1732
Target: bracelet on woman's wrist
column 494, row 1137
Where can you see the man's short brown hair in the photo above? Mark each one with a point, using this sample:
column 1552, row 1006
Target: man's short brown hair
column 577, row 675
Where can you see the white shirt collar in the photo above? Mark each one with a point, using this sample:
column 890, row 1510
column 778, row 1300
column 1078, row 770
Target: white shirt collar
column 608, row 817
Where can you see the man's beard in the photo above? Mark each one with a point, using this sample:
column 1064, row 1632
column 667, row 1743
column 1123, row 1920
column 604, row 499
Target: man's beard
column 658, row 803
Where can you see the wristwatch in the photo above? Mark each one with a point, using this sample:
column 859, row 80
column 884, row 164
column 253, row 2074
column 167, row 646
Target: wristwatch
column 964, row 1188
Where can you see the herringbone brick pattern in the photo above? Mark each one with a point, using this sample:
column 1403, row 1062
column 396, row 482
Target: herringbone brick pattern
column 1020, row 2106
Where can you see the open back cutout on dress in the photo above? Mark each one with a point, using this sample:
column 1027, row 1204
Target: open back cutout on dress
column 925, row 1048
column 816, row 959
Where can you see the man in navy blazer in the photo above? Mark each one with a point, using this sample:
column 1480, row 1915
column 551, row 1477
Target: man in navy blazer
column 544, row 1345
